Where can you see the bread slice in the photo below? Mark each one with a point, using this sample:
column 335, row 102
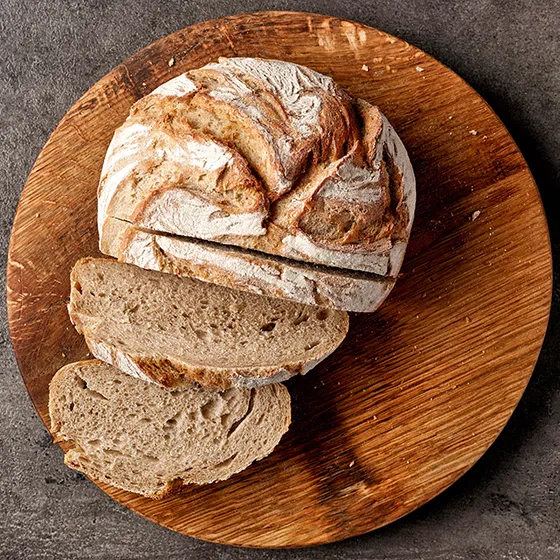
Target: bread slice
column 251, row 271
column 147, row 439
column 174, row 330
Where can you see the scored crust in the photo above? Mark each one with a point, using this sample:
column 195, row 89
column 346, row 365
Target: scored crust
column 307, row 172
column 169, row 177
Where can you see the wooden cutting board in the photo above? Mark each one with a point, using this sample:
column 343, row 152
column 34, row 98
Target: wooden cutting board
column 421, row 388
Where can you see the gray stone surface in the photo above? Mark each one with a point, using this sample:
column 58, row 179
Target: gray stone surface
column 507, row 507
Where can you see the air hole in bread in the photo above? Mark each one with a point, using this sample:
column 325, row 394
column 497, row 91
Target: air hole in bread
column 113, row 452
column 301, row 318
column 234, row 427
column 250, row 406
column 94, row 442
column 227, row 462
column 77, row 380
column 228, row 394
column 211, row 408
column 117, row 381
column 78, row 287
column 268, row 327
column 312, row 345
column 145, row 420
column 323, row 314
column 71, row 406
column 100, row 276
column 97, row 395
column 203, row 335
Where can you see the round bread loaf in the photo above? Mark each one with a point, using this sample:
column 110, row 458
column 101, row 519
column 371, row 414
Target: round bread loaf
column 268, row 156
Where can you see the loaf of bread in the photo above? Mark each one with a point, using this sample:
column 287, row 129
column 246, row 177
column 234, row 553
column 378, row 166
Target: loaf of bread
column 173, row 331
column 264, row 155
column 147, row 439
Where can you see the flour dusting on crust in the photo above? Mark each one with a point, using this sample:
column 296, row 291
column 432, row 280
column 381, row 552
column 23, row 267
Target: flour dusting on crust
column 325, row 153
column 176, row 87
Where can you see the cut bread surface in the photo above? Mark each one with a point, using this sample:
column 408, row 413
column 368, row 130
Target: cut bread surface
column 147, row 439
column 173, row 330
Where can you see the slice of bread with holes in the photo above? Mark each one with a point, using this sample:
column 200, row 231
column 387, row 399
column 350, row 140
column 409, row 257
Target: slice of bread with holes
column 147, row 439
column 173, row 331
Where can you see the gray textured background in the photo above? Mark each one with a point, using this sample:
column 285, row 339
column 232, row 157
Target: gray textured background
column 507, row 507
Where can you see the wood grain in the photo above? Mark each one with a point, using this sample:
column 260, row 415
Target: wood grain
column 421, row 388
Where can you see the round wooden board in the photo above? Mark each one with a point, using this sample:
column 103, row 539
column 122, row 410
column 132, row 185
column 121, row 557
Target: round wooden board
column 421, row 388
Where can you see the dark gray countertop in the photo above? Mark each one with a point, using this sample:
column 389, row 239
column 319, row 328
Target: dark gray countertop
column 508, row 506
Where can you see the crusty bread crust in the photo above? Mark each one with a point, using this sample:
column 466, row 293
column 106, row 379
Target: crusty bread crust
column 309, row 172
column 169, row 372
